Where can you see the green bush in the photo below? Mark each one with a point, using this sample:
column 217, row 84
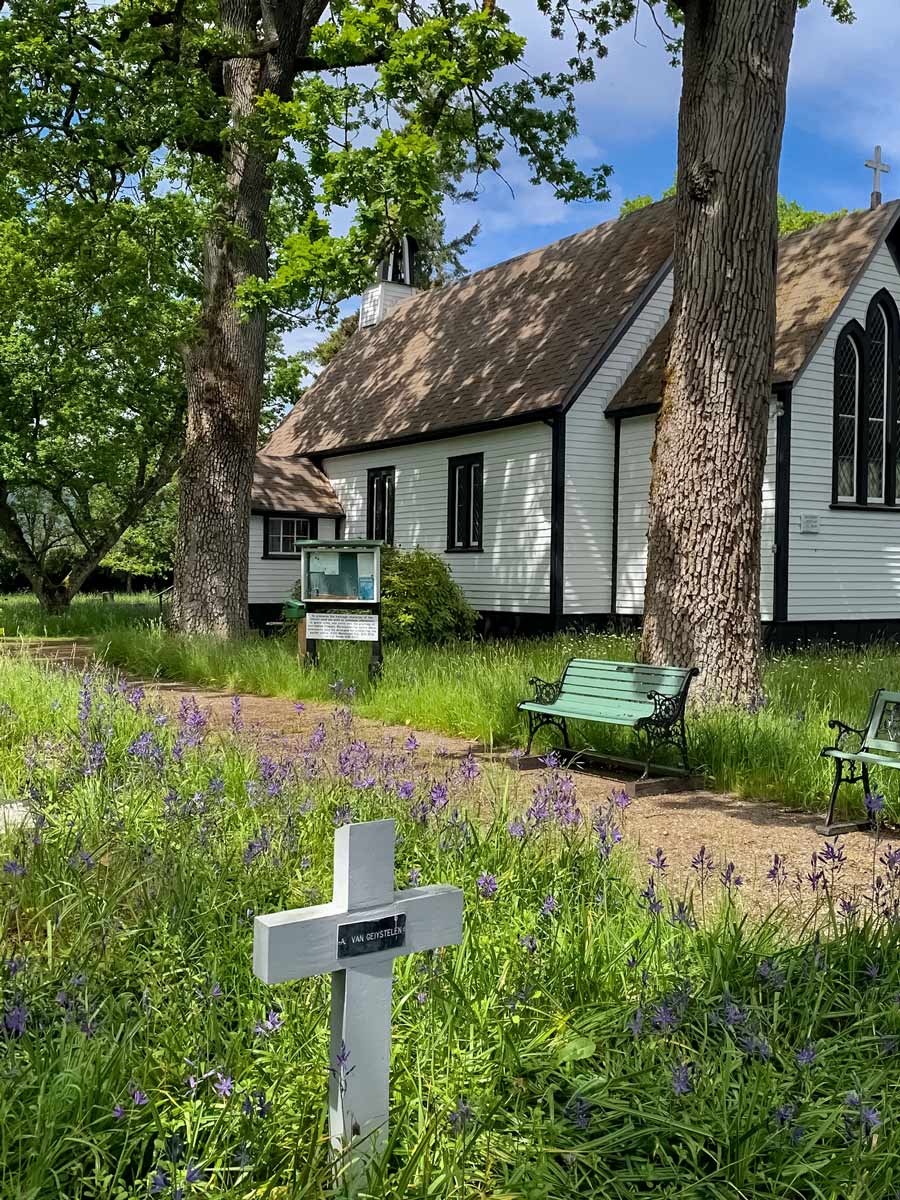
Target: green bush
column 421, row 601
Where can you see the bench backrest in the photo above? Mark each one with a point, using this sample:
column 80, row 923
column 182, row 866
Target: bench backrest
column 624, row 685
column 883, row 727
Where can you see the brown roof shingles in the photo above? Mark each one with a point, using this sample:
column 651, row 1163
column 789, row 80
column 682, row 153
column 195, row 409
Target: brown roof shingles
column 816, row 269
column 509, row 341
column 292, row 485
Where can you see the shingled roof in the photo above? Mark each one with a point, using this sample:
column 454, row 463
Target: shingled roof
column 292, row 485
column 816, row 269
column 511, row 341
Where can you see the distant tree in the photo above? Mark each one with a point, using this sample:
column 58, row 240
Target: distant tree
column 792, row 218
column 147, row 548
column 96, row 305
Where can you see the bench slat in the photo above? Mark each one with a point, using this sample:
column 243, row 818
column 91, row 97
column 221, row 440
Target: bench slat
column 606, row 718
column 613, row 667
column 613, row 690
column 864, row 756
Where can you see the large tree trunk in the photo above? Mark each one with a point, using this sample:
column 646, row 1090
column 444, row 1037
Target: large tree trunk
column 225, row 366
column 702, row 595
column 224, row 380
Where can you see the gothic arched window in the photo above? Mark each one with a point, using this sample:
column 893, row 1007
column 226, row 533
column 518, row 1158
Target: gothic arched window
column 878, row 398
column 847, row 387
column 866, row 467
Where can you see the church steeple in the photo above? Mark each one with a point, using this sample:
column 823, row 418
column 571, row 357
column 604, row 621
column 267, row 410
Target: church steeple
column 395, row 281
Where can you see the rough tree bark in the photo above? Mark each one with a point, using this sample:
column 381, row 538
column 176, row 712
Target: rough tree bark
column 702, row 594
column 225, row 365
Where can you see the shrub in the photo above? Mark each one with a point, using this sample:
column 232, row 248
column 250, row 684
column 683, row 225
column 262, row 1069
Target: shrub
column 421, row 601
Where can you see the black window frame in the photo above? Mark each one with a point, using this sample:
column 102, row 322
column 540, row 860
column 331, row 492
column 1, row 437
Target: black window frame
column 269, row 517
column 862, row 340
column 374, row 476
column 473, row 498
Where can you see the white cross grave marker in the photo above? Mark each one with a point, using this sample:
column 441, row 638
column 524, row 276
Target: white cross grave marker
column 355, row 938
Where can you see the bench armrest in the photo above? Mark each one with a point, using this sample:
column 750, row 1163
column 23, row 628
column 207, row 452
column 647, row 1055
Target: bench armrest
column 845, row 731
column 667, row 709
column 545, row 692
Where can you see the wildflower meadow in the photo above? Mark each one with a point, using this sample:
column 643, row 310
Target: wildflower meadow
column 599, row 1031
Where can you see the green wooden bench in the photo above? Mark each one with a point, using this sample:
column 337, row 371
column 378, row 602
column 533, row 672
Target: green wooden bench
column 876, row 744
column 649, row 699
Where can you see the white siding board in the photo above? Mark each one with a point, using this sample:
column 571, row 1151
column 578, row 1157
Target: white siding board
column 850, row 570
column 590, row 437
column 635, row 448
column 513, row 572
column 767, row 540
column 271, row 580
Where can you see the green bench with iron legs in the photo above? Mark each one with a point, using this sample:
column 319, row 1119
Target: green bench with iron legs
column 876, row 744
column 651, row 700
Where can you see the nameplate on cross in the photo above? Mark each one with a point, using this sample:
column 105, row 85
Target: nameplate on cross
column 355, row 939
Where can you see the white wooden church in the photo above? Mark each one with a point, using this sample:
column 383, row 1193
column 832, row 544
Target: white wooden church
column 506, row 422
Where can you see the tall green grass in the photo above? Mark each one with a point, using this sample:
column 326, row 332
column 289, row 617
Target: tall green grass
column 471, row 689
column 585, row 1039
column 22, row 616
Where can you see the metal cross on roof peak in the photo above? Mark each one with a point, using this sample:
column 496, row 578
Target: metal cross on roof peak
column 880, row 168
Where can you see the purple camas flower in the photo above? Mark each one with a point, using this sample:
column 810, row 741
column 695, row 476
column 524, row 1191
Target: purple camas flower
column 270, row 1025
column 529, row 941
column 415, row 877
column 703, row 864
column 13, row 867
column 194, row 1173
column 412, row 743
column 874, row 802
column 95, row 758
column 139, row 1098
column 487, row 885
column 620, row 799
column 299, row 706
column 806, row 1055
column 730, row 879
column 755, row 1047
column 658, row 862
column 665, row 1017
column 784, row 1115
column 681, row 915
column 406, row 790
column 469, row 769
column 578, row 1111
column 771, row 974
column 439, row 795
column 118, row 1112
column 317, row 738
column 237, row 720
column 890, row 860
column 651, row 901
column 224, row 1085
column 460, row 1116
column 636, row 1024
column 777, row 873
column 343, row 815
column 516, row 829
column 549, row 906
column 422, row 997
column 159, row 1182
column 681, row 1080
column 261, row 844
column 869, row 1119
column 15, row 1020
column 871, row 970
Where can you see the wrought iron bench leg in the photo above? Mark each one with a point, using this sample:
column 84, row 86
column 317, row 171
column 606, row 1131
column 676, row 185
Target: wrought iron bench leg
column 838, row 778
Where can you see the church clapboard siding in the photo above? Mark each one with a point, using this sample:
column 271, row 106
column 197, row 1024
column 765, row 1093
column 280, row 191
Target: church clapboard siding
column 272, row 580
column 850, row 569
column 512, row 572
column 590, row 437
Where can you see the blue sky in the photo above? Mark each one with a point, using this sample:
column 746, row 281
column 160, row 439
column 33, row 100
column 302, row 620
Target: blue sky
column 843, row 98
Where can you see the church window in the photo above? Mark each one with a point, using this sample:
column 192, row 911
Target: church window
column 866, row 445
